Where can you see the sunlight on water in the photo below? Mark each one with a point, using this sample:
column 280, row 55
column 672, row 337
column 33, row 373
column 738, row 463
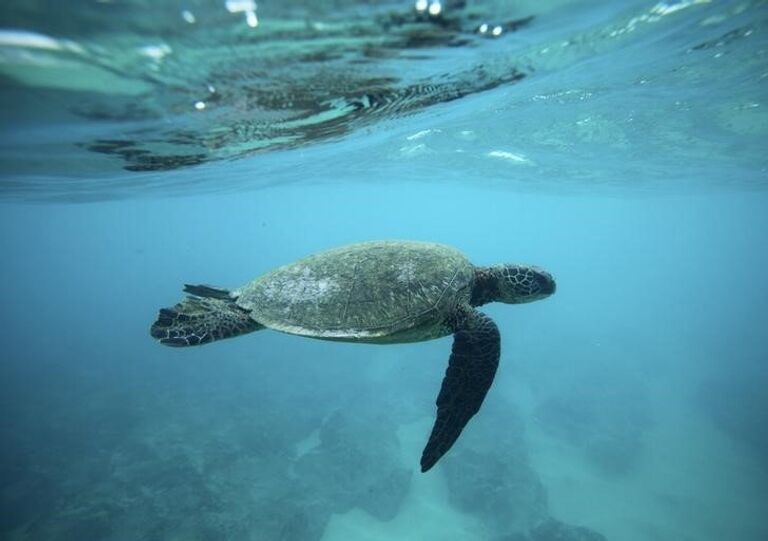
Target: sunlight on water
column 194, row 86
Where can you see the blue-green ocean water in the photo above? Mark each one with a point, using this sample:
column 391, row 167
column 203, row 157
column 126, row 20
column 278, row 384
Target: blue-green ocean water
column 620, row 145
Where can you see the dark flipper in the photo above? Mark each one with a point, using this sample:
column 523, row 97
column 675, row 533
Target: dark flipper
column 196, row 321
column 473, row 363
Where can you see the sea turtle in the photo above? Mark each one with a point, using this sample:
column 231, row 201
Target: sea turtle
column 380, row 292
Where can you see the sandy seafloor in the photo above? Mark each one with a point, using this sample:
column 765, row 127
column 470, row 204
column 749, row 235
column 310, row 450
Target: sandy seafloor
column 630, row 406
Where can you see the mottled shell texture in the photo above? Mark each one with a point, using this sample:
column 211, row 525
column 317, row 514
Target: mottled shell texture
column 363, row 291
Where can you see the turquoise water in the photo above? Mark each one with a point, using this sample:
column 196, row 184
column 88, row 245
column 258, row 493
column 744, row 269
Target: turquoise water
column 619, row 145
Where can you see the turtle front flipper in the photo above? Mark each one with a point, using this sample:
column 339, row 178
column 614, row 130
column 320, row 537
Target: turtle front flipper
column 196, row 321
column 471, row 368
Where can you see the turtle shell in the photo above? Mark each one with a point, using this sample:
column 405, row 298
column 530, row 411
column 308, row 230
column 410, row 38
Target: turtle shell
column 363, row 292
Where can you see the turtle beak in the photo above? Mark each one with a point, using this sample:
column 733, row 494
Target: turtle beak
column 547, row 285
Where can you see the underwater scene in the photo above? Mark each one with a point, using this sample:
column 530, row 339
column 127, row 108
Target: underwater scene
column 429, row 270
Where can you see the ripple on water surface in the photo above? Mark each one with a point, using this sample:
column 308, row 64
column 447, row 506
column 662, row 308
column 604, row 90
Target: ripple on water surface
column 617, row 94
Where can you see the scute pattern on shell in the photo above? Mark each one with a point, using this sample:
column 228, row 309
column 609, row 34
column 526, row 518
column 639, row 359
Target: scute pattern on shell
column 362, row 290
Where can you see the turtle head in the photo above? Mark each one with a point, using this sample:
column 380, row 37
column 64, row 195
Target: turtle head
column 512, row 284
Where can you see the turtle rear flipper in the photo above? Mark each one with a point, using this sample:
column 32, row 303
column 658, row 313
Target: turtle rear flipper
column 195, row 321
column 471, row 368
column 207, row 291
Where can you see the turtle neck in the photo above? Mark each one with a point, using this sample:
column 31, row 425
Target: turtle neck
column 486, row 286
